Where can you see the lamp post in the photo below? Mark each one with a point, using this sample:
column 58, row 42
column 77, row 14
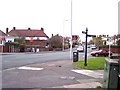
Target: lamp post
column 109, row 46
column 63, row 34
column 71, row 35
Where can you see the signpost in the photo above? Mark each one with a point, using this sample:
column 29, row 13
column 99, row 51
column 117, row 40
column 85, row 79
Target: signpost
column 86, row 32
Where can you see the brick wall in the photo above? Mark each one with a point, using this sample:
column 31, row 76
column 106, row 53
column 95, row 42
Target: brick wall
column 9, row 49
column 113, row 50
column 4, row 49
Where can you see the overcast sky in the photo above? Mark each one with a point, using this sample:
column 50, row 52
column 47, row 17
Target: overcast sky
column 100, row 16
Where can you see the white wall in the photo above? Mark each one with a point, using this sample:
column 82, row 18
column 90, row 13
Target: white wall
column 36, row 38
column 9, row 38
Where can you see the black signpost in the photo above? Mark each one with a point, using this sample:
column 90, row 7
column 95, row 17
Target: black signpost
column 86, row 32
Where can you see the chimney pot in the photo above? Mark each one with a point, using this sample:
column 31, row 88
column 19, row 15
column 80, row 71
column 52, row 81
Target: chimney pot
column 14, row 28
column 29, row 28
column 7, row 30
column 52, row 35
column 42, row 29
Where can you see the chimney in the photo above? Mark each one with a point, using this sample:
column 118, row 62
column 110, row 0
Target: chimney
column 29, row 28
column 14, row 28
column 6, row 30
column 52, row 35
column 42, row 29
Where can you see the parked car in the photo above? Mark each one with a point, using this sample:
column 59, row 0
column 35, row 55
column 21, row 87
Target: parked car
column 101, row 53
column 80, row 49
column 88, row 46
column 93, row 47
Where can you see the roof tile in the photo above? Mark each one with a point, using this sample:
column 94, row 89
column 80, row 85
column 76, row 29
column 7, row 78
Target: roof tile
column 27, row 33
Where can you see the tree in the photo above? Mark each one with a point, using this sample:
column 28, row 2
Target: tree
column 91, row 42
column 55, row 41
column 20, row 41
column 98, row 41
column 12, row 44
column 118, row 42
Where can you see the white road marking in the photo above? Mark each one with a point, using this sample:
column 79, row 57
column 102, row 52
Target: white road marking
column 9, row 69
column 89, row 73
column 29, row 68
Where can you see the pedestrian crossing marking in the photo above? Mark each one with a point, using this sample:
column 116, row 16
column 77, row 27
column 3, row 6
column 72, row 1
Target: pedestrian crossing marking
column 29, row 68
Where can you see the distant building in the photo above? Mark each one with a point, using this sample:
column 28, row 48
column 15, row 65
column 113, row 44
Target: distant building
column 2, row 38
column 33, row 37
column 75, row 39
column 109, row 39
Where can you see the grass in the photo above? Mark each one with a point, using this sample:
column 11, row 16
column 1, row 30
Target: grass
column 92, row 64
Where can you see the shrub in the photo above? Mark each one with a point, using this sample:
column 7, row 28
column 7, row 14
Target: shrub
column 12, row 44
column 118, row 42
column 112, row 46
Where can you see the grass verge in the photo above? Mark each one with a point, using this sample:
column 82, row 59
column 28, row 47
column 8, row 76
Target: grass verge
column 92, row 64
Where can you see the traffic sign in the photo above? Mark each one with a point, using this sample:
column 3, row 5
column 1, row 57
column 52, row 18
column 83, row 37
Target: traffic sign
column 91, row 35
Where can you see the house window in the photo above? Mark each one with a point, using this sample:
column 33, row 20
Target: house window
column 0, row 42
column 37, row 38
column 9, row 41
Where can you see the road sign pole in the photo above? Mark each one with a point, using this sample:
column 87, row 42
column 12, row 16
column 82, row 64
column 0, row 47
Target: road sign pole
column 85, row 63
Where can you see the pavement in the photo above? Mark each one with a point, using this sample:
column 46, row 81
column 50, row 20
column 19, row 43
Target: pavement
column 59, row 74
column 93, row 82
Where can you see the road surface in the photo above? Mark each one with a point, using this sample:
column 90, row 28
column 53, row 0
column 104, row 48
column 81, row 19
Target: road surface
column 55, row 69
column 16, row 60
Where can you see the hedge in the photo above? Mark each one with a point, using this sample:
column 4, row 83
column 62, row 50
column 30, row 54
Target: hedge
column 107, row 46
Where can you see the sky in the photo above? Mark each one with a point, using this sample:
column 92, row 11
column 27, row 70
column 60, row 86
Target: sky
column 99, row 16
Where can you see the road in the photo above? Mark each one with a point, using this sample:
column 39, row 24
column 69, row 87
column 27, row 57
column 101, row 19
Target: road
column 17, row 60
column 10, row 61
column 57, row 70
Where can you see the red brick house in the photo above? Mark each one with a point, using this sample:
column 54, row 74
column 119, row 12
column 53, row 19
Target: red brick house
column 2, row 38
column 34, row 38
column 75, row 39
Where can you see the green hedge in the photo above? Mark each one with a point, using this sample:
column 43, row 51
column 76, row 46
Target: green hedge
column 12, row 44
column 112, row 46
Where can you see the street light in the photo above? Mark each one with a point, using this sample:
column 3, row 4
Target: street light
column 109, row 46
column 63, row 33
column 71, row 35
